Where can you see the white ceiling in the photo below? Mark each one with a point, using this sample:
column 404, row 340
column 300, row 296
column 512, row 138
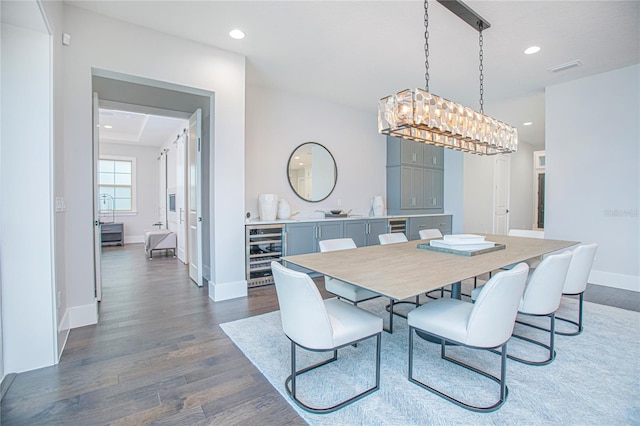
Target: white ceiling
column 355, row 52
column 134, row 128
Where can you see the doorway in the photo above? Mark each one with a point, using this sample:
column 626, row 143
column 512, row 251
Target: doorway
column 539, row 185
column 150, row 100
column 501, row 188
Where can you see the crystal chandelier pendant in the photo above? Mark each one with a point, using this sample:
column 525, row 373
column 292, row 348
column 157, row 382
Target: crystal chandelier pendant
column 424, row 117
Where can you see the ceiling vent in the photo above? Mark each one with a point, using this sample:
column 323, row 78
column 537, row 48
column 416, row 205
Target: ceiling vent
column 565, row 66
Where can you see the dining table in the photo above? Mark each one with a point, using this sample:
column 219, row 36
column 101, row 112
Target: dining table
column 403, row 270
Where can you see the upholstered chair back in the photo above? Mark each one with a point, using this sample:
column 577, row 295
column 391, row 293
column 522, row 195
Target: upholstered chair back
column 580, row 268
column 304, row 316
column 427, row 234
column 543, row 291
column 493, row 316
column 396, row 237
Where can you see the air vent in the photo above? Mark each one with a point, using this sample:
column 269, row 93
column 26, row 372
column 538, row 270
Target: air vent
column 566, row 66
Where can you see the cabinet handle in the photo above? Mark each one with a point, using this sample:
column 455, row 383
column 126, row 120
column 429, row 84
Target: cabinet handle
column 414, row 157
column 319, row 232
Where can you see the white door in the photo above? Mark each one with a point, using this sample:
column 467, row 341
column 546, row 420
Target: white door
column 181, row 207
column 194, row 178
column 501, row 171
column 97, row 237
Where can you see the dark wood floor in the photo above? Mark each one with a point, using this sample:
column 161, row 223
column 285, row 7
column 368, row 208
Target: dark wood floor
column 158, row 355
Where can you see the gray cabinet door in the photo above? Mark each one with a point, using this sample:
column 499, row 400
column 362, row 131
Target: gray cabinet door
column 434, row 188
column 411, row 152
column 375, row 228
column 301, row 238
column 357, row 231
column 434, row 156
column 443, row 223
column 412, row 188
column 328, row 231
column 416, row 224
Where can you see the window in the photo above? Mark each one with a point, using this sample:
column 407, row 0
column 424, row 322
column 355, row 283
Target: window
column 116, row 184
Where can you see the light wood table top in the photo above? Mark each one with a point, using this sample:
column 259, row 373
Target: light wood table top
column 400, row 271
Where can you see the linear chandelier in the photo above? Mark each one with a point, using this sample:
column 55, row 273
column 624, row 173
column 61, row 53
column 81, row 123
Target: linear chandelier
column 424, row 117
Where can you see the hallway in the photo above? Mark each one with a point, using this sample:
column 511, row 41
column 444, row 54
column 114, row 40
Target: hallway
column 157, row 355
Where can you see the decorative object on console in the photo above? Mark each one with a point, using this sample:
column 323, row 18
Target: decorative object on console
column 284, row 209
column 377, row 205
column 424, row 117
column 267, row 206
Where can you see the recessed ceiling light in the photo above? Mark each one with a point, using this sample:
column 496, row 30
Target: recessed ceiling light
column 237, row 34
column 531, row 50
column 106, row 126
column 528, row 123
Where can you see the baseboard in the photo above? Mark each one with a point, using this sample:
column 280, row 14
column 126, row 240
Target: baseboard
column 611, row 279
column 63, row 333
column 225, row 291
column 79, row 316
column 6, row 383
column 134, row 239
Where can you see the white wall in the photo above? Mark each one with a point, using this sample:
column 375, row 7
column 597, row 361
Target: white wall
column 278, row 122
column 27, row 212
column 147, row 188
column 592, row 179
column 113, row 45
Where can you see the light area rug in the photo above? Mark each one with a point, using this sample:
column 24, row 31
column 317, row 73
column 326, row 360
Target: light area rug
column 595, row 378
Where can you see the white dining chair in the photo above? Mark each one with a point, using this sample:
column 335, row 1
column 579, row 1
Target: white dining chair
column 525, row 233
column 528, row 233
column 427, row 234
column 394, row 238
column 541, row 297
column 576, row 281
column 321, row 326
column 350, row 292
column 487, row 324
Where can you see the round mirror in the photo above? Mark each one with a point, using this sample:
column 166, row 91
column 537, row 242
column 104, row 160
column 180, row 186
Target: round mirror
column 312, row 172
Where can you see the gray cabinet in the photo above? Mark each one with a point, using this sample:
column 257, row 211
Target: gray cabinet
column 415, row 177
column 416, row 224
column 365, row 232
column 303, row 237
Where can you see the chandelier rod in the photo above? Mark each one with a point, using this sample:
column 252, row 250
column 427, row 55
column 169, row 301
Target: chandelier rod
column 467, row 14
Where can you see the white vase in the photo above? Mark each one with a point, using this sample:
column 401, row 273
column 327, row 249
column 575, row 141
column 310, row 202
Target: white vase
column 378, row 205
column 284, row 209
column 267, row 206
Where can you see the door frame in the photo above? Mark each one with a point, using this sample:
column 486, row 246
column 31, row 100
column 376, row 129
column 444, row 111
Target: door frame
column 188, row 101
